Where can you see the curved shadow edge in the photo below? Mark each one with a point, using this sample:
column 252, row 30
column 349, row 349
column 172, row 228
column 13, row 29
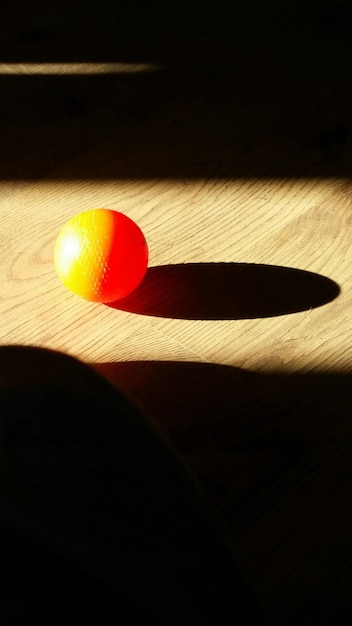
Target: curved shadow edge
column 227, row 291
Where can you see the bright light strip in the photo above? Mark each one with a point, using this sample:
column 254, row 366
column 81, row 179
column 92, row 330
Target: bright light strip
column 53, row 69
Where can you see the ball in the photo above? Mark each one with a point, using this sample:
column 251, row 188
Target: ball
column 101, row 255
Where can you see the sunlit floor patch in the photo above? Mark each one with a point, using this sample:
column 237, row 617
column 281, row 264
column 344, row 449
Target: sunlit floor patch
column 52, row 69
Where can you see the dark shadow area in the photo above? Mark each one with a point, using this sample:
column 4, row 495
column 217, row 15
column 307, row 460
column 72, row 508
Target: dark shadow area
column 218, row 417
column 225, row 291
column 245, row 89
column 41, row 585
column 97, row 513
column 85, row 478
column 236, row 415
column 274, row 453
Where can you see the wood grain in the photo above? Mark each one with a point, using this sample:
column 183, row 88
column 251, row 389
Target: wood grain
column 234, row 156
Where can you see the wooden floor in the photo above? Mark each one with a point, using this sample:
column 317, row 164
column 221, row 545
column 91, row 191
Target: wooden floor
column 225, row 133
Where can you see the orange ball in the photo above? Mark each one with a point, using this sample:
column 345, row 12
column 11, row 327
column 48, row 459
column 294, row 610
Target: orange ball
column 101, row 255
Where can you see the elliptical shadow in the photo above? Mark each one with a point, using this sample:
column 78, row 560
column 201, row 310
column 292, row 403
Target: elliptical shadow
column 227, row 291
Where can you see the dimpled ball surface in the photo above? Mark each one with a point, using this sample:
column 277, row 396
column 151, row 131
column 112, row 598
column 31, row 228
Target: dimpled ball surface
column 101, row 255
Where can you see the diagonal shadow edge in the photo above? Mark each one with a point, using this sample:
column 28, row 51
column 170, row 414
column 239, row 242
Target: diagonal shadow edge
column 227, row 291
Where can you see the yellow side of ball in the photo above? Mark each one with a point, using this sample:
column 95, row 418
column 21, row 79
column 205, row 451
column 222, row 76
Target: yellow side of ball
column 82, row 251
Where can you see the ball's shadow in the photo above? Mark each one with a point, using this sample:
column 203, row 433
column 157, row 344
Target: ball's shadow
column 227, row 291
